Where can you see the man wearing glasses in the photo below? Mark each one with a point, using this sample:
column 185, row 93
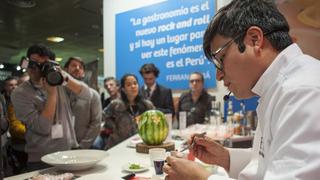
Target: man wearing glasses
column 249, row 43
column 197, row 101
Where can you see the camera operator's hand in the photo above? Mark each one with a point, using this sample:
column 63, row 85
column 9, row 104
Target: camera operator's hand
column 74, row 85
column 50, row 105
column 64, row 73
column 51, row 90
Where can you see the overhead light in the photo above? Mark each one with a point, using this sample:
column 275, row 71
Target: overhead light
column 55, row 39
column 18, row 68
column 1, row 66
column 101, row 50
column 24, row 70
column 59, row 59
column 22, row 3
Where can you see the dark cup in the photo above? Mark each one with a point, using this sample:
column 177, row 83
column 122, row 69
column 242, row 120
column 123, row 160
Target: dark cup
column 158, row 164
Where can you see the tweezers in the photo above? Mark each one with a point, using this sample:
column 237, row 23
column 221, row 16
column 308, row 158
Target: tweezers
column 192, row 143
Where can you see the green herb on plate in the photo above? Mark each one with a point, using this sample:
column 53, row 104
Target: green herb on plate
column 135, row 166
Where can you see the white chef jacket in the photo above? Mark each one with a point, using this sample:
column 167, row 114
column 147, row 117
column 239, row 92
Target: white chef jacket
column 287, row 143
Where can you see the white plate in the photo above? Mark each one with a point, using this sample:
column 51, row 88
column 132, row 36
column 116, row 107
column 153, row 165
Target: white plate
column 134, row 141
column 74, row 160
column 143, row 168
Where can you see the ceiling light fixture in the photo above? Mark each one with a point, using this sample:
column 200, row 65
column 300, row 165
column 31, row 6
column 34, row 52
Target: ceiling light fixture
column 55, row 39
column 18, row 68
column 1, row 66
column 22, row 3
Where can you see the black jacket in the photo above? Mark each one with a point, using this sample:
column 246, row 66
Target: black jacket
column 161, row 98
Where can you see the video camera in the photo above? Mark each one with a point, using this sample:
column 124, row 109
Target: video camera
column 48, row 70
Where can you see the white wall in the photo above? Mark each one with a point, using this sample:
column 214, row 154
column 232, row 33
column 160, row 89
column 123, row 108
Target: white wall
column 113, row 7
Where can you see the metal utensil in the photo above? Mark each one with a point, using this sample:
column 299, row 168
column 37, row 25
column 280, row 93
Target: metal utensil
column 192, row 143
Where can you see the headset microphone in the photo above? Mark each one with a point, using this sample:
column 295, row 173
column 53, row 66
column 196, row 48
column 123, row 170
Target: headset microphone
column 226, row 97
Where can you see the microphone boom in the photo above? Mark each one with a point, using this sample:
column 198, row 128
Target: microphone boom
column 226, row 97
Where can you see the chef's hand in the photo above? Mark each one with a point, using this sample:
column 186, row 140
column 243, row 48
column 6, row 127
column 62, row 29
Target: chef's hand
column 210, row 152
column 178, row 154
column 179, row 168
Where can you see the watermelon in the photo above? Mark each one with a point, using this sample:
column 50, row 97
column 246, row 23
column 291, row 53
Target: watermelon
column 153, row 127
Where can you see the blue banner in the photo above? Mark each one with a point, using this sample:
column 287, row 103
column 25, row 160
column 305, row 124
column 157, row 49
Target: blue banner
column 168, row 34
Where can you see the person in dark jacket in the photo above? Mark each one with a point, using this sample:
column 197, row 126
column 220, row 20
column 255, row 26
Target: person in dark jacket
column 197, row 101
column 160, row 96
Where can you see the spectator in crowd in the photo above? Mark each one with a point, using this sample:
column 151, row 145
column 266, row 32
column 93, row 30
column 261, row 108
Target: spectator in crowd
column 87, row 113
column 249, row 43
column 160, row 96
column 45, row 109
column 197, row 101
column 122, row 114
column 24, row 77
column 17, row 155
column 113, row 88
column 4, row 125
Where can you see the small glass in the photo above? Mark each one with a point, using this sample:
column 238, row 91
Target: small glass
column 158, row 165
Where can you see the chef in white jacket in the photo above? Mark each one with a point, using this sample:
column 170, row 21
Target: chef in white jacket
column 249, row 43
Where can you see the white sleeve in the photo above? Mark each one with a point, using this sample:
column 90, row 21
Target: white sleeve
column 294, row 150
column 243, row 162
column 251, row 169
column 217, row 177
column 239, row 159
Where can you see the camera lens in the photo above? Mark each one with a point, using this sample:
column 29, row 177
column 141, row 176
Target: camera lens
column 54, row 78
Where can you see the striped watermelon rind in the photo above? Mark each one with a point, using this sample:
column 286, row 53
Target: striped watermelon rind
column 153, row 127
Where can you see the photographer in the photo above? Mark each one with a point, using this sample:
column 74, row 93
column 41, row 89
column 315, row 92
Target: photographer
column 43, row 105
